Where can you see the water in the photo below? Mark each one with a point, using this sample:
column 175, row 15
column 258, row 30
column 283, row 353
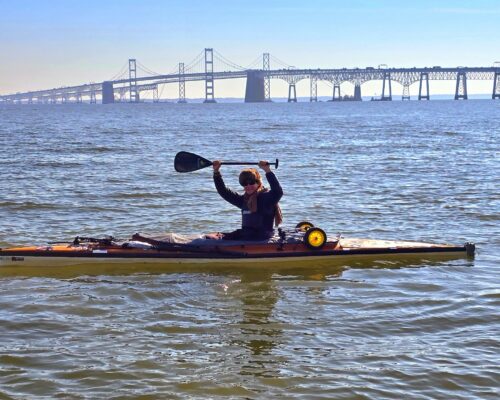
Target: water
column 403, row 170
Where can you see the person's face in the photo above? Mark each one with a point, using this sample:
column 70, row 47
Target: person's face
column 250, row 186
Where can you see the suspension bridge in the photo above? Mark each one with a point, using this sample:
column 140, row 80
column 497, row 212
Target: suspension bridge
column 210, row 66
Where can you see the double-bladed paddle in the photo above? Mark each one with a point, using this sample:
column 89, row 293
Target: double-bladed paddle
column 188, row 162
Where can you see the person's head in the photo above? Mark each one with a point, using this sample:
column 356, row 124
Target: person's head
column 250, row 180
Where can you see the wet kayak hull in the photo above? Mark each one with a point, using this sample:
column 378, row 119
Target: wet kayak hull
column 348, row 252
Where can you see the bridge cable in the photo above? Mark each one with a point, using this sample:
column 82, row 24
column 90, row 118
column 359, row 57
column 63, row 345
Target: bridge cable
column 147, row 70
column 255, row 63
column 279, row 62
column 121, row 73
column 228, row 62
column 189, row 66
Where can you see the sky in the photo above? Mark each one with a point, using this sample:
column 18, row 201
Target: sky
column 53, row 43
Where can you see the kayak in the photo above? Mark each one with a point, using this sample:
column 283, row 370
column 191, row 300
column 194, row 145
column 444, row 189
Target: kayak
column 305, row 248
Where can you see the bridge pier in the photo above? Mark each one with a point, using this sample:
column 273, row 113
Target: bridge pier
column 336, row 93
column 424, row 76
column 357, row 92
column 108, row 93
column 496, row 86
column 387, row 77
column 314, row 88
column 255, row 89
column 406, row 92
column 156, row 97
column 292, row 93
column 461, row 88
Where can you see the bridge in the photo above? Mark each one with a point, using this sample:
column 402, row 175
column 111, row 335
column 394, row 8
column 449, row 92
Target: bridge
column 128, row 86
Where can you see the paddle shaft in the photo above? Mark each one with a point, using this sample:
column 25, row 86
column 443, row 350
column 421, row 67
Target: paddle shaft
column 245, row 163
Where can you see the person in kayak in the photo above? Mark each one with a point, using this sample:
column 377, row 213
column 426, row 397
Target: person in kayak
column 259, row 206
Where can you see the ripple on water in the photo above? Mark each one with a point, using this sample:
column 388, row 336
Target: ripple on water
column 387, row 171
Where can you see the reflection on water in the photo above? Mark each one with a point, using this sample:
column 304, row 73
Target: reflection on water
column 258, row 333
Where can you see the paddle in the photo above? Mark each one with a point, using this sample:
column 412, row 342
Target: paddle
column 188, row 162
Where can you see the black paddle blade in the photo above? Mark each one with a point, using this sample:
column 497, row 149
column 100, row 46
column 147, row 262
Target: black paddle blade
column 188, row 162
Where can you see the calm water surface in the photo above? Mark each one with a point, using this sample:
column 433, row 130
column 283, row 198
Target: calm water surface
column 412, row 170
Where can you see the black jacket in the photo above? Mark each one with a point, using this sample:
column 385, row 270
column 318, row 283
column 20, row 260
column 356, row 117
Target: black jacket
column 257, row 225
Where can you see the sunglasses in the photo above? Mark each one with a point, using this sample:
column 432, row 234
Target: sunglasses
column 248, row 182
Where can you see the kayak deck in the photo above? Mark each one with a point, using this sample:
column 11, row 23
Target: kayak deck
column 345, row 251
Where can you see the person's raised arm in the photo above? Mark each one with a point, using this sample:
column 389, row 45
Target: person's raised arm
column 227, row 194
column 275, row 188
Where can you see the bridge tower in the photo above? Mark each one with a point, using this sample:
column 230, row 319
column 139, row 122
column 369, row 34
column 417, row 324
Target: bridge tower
column 132, row 76
column 182, row 84
column 461, row 88
column 386, row 78
column 496, row 86
column 314, row 88
column 424, row 76
column 209, row 76
column 266, row 66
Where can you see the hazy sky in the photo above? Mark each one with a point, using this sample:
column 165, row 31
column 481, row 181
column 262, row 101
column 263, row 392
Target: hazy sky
column 53, row 43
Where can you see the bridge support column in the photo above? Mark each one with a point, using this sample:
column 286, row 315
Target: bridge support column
column 255, row 90
column 424, row 76
column 182, row 84
column 156, row 97
column 209, row 76
column 292, row 93
column 496, row 86
column 108, row 93
column 336, row 92
column 132, row 76
column 387, row 78
column 461, row 88
column 406, row 92
column 314, row 88
column 357, row 92
column 267, row 80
